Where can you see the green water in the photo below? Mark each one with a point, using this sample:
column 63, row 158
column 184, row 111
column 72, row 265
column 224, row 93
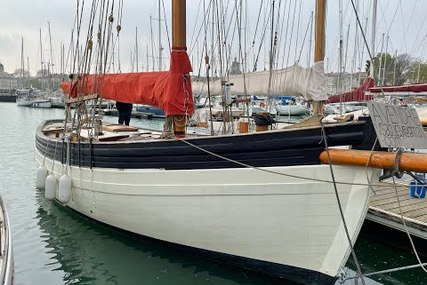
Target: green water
column 53, row 245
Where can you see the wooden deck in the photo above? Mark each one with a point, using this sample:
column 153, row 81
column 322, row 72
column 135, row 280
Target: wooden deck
column 384, row 209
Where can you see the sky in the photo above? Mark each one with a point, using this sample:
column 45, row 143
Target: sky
column 403, row 22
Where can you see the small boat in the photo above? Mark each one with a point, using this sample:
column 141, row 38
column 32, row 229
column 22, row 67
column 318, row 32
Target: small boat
column 292, row 110
column 40, row 103
column 155, row 111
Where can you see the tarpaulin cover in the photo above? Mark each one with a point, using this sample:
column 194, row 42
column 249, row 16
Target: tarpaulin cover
column 421, row 87
column 168, row 90
column 357, row 95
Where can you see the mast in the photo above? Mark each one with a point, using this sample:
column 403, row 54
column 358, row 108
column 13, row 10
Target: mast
column 50, row 48
column 340, row 61
column 178, row 122
column 22, row 61
column 41, row 52
column 152, row 42
column 136, row 48
column 374, row 27
column 160, row 39
column 179, row 25
column 319, row 47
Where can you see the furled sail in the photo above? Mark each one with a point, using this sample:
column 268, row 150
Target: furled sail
column 293, row 81
column 407, row 88
column 356, row 95
column 168, row 90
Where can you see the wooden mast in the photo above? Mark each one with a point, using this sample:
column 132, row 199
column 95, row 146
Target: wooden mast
column 179, row 43
column 319, row 46
column 179, row 25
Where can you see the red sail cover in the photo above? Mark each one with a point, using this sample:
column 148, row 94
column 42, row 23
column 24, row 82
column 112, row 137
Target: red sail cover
column 168, row 90
column 357, row 94
column 421, row 87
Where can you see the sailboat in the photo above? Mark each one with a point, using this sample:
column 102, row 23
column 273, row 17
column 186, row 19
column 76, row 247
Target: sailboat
column 262, row 201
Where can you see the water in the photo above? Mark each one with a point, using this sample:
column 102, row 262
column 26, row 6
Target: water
column 53, row 245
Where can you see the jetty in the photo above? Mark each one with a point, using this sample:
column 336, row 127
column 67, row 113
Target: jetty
column 385, row 209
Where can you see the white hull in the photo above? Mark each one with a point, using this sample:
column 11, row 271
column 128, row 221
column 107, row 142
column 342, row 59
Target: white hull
column 292, row 110
column 34, row 103
column 241, row 212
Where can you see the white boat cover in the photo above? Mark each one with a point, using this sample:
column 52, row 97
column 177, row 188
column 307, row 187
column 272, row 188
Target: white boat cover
column 293, row 81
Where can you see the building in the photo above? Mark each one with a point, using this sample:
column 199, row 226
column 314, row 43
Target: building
column 8, row 85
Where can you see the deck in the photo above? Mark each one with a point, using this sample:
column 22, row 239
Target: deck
column 384, row 209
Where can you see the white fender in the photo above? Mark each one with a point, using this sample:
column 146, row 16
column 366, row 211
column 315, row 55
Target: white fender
column 64, row 193
column 50, row 187
column 41, row 177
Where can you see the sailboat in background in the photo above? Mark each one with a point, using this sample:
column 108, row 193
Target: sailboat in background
column 263, row 201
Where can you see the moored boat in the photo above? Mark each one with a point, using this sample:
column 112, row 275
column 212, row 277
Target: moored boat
column 259, row 200
column 277, row 215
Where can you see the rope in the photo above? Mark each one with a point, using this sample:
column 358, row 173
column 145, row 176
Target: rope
column 388, row 271
column 276, row 172
column 353, row 253
column 422, row 265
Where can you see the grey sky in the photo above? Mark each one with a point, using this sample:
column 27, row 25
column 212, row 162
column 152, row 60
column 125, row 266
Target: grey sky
column 404, row 21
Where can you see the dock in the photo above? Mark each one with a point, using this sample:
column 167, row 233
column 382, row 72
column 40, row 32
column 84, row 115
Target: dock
column 384, row 209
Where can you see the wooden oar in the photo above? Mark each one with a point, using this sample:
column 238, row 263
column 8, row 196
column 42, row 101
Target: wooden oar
column 378, row 159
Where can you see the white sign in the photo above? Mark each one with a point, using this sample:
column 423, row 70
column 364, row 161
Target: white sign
column 397, row 126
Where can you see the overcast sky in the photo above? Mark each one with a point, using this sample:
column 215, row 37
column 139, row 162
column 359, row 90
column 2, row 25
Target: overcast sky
column 404, row 22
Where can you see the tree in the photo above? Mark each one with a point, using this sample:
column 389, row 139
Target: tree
column 404, row 65
column 42, row 72
column 21, row 73
column 420, row 72
column 394, row 70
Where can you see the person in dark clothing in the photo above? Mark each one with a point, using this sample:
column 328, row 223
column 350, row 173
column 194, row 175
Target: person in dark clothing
column 125, row 111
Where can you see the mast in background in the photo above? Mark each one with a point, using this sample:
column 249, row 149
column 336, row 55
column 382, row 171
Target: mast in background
column 373, row 32
column 160, row 38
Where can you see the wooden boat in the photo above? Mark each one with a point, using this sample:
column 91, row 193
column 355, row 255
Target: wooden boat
column 258, row 200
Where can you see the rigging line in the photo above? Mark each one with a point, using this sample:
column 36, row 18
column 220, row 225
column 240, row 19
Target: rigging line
column 405, row 30
column 192, row 41
column 239, row 22
column 277, row 172
column 347, row 233
column 422, row 265
column 257, row 22
column 89, row 42
column 388, row 271
column 266, row 20
column 284, row 65
column 277, row 38
column 206, row 16
column 303, row 40
column 298, row 25
column 414, row 46
column 79, row 23
column 226, row 35
column 220, row 41
column 365, row 40
column 392, row 19
column 166, row 26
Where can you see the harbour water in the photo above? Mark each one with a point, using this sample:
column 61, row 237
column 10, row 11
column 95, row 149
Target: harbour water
column 53, row 245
